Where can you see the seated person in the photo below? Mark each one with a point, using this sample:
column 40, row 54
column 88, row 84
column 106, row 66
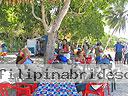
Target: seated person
column 24, row 57
column 104, row 60
column 60, row 57
column 80, row 57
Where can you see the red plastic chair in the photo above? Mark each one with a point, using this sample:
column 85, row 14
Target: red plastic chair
column 22, row 91
column 3, row 89
column 31, row 86
column 99, row 91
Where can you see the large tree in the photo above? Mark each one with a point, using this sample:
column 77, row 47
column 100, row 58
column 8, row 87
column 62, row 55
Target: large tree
column 52, row 27
column 84, row 18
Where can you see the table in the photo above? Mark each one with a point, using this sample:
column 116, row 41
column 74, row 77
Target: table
column 56, row 89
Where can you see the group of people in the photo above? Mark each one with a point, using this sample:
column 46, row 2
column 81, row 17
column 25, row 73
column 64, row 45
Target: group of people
column 82, row 53
column 121, row 53
column 73, row 53
column 66, row 52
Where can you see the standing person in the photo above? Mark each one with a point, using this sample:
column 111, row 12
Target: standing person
column 65, row 46
column 126, row 53
column 38, row 47
column 72, row 47
column 98, row 52
column 60, row 44
column 66, row 49
column 118, row 52
column 56, row 47
column 86, row 47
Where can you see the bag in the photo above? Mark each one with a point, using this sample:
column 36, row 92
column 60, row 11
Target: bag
column 63, row 58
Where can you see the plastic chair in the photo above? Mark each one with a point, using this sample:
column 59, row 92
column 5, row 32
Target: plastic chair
column 99, row 91
column 3, row 89
column 31, row 86
column 22, row 91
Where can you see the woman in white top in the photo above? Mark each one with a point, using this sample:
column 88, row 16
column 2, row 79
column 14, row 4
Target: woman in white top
column 126, row 54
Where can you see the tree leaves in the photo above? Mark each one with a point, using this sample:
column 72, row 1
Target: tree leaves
column 116, row 15
column 87, row 25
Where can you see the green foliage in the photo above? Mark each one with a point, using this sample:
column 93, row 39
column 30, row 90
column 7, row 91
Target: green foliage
column 116, row 15
column 84, row 20
column 18, row 24
column 105, row 38
column 88, row 25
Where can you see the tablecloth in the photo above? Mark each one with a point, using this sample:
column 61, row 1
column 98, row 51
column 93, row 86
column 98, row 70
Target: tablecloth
column 56, row 89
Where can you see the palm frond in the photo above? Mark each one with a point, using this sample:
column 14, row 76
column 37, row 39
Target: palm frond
column 116, row 18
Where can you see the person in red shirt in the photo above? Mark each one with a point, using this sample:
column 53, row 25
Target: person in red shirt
column 66, row 49
column 80, row 57
column 65, row 46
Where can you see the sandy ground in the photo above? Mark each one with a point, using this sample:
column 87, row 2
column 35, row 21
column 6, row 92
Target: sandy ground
column 122, row 88
column 11, row 59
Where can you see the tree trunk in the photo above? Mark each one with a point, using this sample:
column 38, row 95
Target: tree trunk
column 49, row 54
column 53, row 28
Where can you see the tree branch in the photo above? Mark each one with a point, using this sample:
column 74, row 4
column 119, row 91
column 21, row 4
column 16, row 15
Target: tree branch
column 43, row 16
column 33, row 12
column 56, row 24
column 0, row 1
column 76, row 14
